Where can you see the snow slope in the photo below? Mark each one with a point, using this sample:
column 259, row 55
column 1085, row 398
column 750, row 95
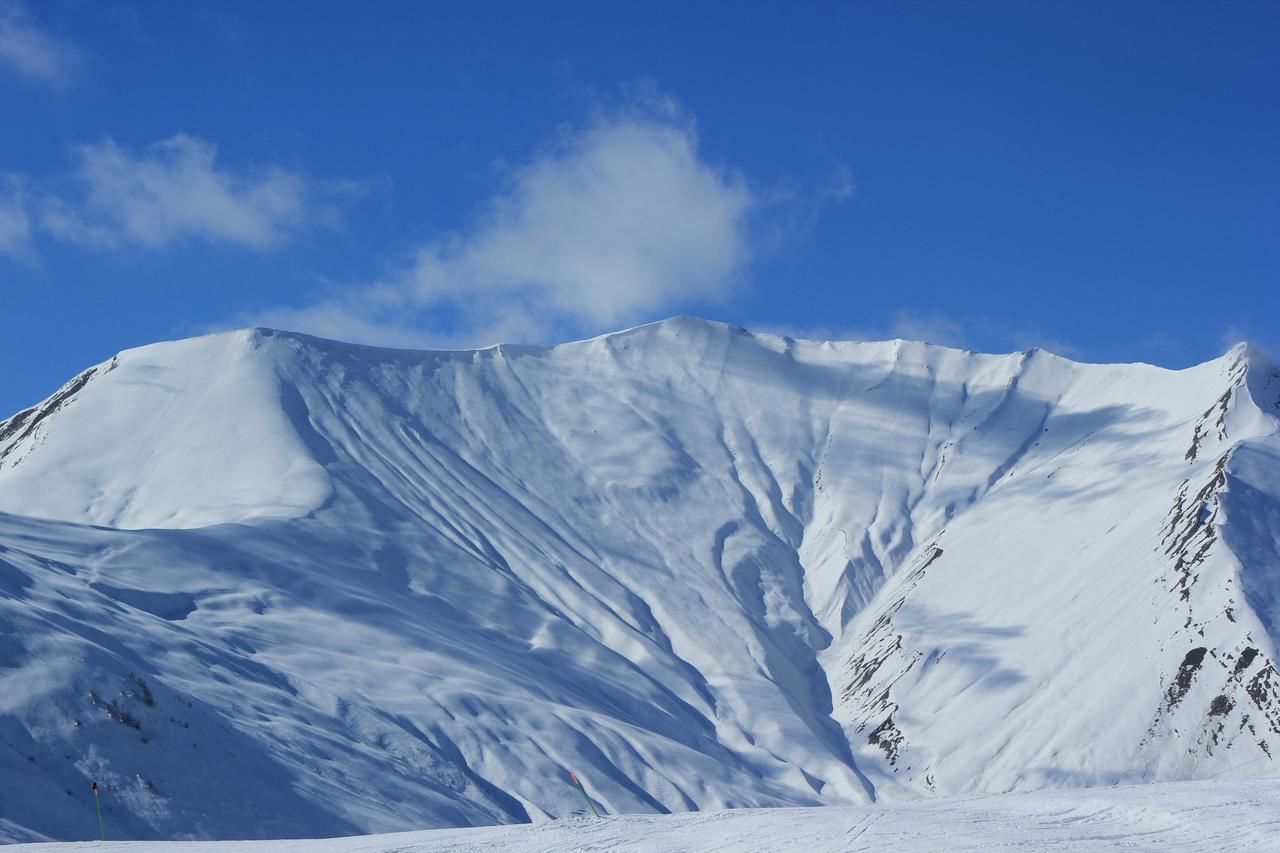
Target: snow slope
column 1229, row 816
column 264, row 585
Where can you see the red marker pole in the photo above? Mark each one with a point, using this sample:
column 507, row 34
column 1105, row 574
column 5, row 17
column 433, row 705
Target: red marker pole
column 578, row 784
column 102, row 827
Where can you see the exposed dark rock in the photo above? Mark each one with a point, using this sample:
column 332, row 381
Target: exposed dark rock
column 22, row 424
column 888, row 737
column 1246, row 658
column 1186, row 673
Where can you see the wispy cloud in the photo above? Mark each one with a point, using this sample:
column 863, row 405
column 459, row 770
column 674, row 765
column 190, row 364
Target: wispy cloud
column 1267, row 340
column 618, row 219
column 173, row 190
column 973, row 333
column 932, row 327
column 32, row 52
column 15, row 223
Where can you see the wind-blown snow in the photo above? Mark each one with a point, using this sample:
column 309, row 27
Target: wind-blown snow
column 263, row 585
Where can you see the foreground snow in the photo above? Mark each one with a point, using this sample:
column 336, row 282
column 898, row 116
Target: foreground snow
column 1236, row 815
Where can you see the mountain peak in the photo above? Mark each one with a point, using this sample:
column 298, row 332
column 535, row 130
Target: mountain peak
column 1250, row 353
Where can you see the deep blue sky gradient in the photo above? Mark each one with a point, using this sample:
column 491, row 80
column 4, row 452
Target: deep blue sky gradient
column 1096, row 177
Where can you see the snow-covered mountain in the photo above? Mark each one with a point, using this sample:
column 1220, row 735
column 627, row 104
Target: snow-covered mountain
column 263, row 585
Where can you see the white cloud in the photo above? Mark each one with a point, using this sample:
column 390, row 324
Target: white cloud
column 622, row 217
column 618, row 219
column 175, row 190
column 30, row 51
column 172, row 191
column 15, row 222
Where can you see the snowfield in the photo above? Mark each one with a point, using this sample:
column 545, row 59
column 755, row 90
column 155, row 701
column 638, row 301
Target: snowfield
column 1232, row 817
column 262, row 585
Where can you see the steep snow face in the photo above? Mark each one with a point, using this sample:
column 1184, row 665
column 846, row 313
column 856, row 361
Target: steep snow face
column 183, row 434
column 1087, row 621
column 702, row 568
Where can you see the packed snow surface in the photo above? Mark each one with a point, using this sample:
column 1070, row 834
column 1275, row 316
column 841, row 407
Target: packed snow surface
column 262, row 585
column 1230, row 816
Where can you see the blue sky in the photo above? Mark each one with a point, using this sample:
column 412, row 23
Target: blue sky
column 1097, row 178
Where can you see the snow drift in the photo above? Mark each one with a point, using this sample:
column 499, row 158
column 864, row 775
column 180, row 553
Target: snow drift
column 263, row 585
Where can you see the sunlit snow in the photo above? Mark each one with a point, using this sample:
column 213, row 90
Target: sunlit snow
column 260, row 585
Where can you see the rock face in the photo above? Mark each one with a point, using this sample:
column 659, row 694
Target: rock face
column 263, row 585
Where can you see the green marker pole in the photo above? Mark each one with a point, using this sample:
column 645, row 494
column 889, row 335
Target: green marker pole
column 578, row 784
column 102, row 827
